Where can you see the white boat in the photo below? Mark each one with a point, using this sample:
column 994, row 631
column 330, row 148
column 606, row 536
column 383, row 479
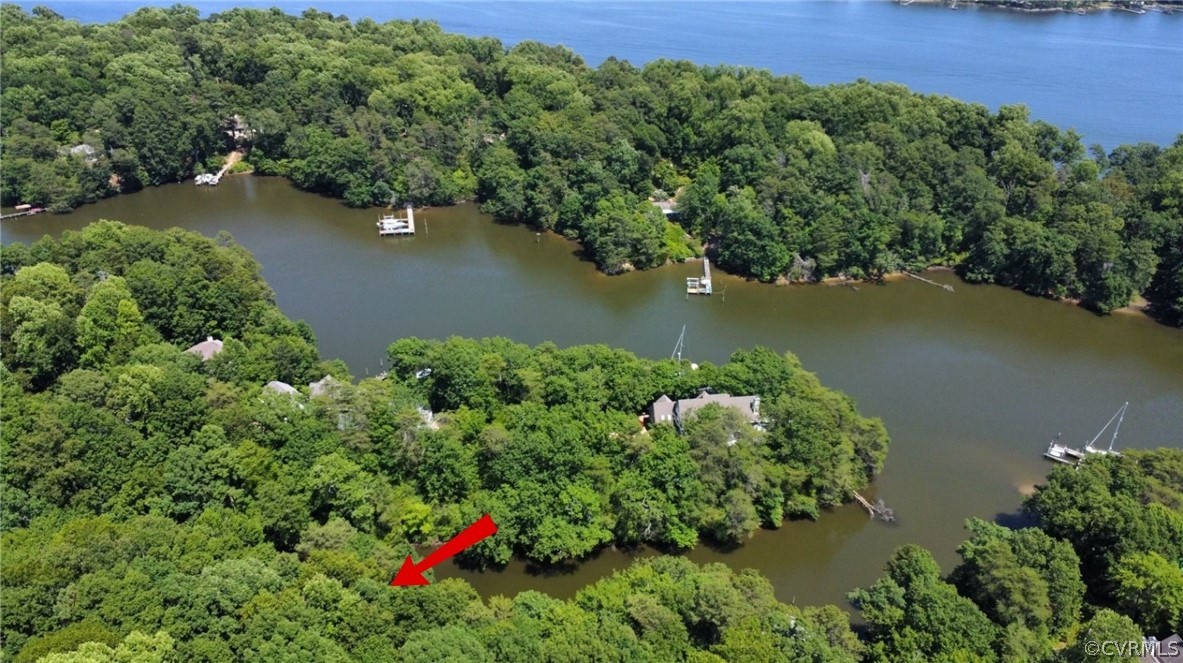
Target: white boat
column 390, row 225
column 1062, row 453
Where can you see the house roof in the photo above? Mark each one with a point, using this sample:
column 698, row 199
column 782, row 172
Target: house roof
column 207, row 348
column 749, row 405
column 1167, row 650
column 666, row 410
column 281, row 387
column 323, row 385
column 666, row 207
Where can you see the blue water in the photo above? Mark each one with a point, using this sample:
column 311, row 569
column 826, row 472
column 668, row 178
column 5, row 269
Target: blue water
column 1114, row 76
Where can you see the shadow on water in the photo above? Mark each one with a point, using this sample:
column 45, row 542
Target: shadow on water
column 1015, row 519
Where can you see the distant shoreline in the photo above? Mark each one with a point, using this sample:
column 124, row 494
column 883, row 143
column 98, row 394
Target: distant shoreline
column 1048, row 6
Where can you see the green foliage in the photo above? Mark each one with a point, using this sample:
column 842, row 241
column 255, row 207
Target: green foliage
column 149, row 490
column 914, row 615
column 856, row 179
column 1115, row 507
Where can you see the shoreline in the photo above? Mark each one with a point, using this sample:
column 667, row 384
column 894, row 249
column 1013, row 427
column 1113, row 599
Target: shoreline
column 1081, row 7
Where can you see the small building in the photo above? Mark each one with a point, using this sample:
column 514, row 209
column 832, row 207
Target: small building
column 207, row 348
column 85, row 151
column 667, row 410
column 667, row 208
column 1167, row 650
column 278, row 387
column 323, row 386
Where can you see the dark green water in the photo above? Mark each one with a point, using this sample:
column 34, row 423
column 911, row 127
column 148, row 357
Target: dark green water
column 971, row 384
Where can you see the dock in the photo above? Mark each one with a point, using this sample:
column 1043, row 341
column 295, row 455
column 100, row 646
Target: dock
column 22, row 210
column 391, row 225
column 1062, row 453
column 212, row 179
column 700, row 286
column 877, row 510
column 930, row 282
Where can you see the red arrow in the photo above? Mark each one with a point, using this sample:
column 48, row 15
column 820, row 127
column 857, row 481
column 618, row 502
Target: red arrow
column 412, row 574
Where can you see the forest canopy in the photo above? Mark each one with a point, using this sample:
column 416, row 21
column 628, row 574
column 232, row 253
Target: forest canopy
column 779, row 179
column 159, row 500
column 162, row 507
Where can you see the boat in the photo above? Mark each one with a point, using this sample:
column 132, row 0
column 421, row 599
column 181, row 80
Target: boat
column 390, row 225
column 1062, row 453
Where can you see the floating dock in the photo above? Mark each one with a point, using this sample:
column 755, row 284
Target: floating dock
column 390, row 225
column 700, row 286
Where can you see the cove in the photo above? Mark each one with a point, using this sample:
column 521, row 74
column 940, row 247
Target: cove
column 971, row 384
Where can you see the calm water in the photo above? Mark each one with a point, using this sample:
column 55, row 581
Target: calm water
column 971, row 384
column 1114, row 76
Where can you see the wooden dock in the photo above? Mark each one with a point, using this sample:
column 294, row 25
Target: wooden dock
column 22, row 210
column 700, row 286
column 390, row 225
column 930, row 282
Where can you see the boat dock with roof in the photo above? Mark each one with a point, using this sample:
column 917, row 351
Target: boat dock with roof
column 390, row 225
column 700, row 286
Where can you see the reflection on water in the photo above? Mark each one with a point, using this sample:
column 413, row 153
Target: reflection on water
column 971, row 384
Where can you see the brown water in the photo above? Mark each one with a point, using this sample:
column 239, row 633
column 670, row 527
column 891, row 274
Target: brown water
column 971, row 384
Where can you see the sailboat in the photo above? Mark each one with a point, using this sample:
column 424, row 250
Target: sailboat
column 1062, row 453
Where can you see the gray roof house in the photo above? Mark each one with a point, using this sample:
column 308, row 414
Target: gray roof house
column 323, row 386
column 207, row 348
column 1167, row 650
column 667, row 410
column 281, row 388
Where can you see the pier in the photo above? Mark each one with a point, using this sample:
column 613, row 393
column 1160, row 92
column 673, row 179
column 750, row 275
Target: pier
column 22, row 210
column 931, row 282
column 390, row 225
column 700, row 286
column 212, row 179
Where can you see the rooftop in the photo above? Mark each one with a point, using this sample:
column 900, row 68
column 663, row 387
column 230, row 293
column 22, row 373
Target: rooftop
column 207, row 348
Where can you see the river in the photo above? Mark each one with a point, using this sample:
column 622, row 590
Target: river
column 971, row 384
column 1114, row 76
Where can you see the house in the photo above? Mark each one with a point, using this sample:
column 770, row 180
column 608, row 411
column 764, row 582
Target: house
column 323, row 386
column 85, row 151
column 667, row 410
column 1168, row 650
column 666, row 207
column 207, row 348
column 278, row 387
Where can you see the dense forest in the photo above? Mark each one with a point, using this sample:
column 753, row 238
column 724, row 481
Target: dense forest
column 778, row 179
column 158, row 507
column 199, row 477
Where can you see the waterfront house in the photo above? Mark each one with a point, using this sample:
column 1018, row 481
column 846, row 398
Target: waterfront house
column 666, row 410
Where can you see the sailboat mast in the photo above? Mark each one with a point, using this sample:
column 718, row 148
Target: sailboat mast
column 1118, row 426
column 677, row 353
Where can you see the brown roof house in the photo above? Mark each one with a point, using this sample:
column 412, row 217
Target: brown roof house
column 666, row 410
column 207, row 348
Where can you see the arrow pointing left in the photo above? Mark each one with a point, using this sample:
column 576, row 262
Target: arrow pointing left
column 411, row 574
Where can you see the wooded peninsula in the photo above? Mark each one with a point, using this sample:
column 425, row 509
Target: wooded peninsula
column 238, row 499
column 779, row 180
